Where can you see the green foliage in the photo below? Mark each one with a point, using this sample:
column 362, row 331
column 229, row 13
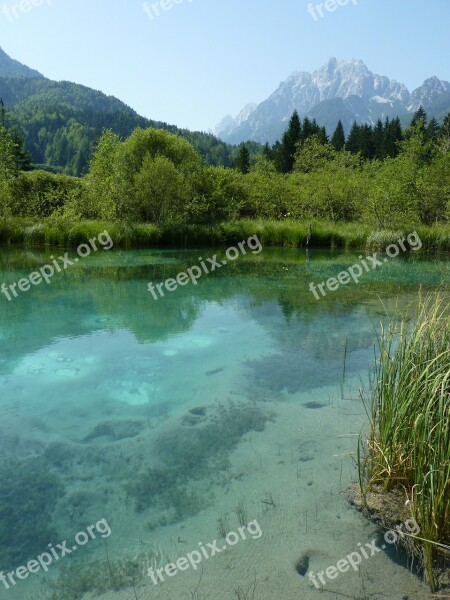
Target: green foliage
column 65, row 232
column 409, row 444
column 380, row 240
column 40, row 194
column 13, row 157
column 158, row 177
column 155, row 142
column 381, row 177
column 315, row 155
column 444, row 135
column 107, row 179
column 228, row 197
column 8, row 168
column 160, row 191
column 419, row 121
column 269, row 196
column 338, row 138
column 391, row 195
column 377, row 142
column 433, row 190
column 62, row 123
column 243, row 161
column 141, row 178
column 5, row 198
column 285, row 152
column 412, row 188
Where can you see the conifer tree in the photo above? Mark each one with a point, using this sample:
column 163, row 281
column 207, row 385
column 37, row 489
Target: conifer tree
column 308, row 129
column 7, row 148
column 445, row 129
column 22, row 158
column 338, row 138
column 322, row 135
column 433, row 130
column 420, row 119
column 444, row 135
column 353, row 144
column 366, row 142
column 393, row 135
column 267, row 152
column 378, row 140
column 243, row 160
column 285, row 156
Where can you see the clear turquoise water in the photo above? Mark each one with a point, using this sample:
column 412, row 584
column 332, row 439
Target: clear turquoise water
column 161, row 416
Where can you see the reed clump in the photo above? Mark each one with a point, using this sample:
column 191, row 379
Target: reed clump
column 409, row 442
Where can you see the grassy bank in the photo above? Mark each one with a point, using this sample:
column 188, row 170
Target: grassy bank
column 287, row 233
column 409, row 442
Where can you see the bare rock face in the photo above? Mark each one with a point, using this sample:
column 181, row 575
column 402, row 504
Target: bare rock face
column 340, row 89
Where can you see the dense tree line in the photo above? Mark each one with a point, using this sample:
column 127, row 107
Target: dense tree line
column 158, row 177
column 62, row 139
column 379, row 142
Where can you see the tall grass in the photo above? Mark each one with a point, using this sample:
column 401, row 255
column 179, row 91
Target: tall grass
column 409, row 444
column 286, row 233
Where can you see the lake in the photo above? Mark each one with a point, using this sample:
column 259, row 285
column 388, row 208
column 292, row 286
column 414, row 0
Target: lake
column 196, row 446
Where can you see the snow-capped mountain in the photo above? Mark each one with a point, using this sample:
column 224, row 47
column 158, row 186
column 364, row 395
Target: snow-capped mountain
column 432, row 90
column 341, row 89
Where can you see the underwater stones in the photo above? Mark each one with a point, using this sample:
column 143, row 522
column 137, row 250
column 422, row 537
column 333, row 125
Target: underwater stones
column 214, row 372
column 114, row 431
column 192, row 460
column 132, row 392
column 292, row 371
column 29, row 495
column 192, row 420
column 50, row 365
column 302, row 565
column 195, row 416
column 199, row 411
column 306, row 458
column 59, row 454
column 67, row 372
column 219, row 433
column 314, row 405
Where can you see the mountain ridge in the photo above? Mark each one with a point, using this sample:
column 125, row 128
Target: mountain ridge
column 341, row 89
column 13, row 68
column 62, row 121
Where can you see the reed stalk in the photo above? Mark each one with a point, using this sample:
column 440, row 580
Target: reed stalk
column 409, row 442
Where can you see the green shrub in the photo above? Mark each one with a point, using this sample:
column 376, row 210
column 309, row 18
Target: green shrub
column 39, row 193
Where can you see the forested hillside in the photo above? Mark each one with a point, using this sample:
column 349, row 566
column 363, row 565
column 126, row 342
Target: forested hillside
column 61, row 122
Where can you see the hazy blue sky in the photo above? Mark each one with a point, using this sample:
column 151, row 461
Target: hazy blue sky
column 203, row 59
